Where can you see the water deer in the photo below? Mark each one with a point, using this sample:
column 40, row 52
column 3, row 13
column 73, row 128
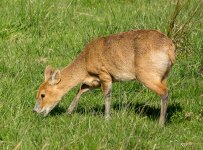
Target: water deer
column 143, row 55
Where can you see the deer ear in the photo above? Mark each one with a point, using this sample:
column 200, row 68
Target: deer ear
column 55, row 77
column 48, row 72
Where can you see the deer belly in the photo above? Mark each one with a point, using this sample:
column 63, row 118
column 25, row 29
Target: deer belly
column 123, row 76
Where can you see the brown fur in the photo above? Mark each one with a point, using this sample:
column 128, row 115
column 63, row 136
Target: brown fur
column 145, row 55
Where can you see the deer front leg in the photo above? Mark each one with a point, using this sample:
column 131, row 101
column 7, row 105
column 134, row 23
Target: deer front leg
column 84, row 88
column 106, row 84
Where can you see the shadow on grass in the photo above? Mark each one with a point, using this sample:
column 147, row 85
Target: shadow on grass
column 96, row 110
column 143, row 109
column 57, row 111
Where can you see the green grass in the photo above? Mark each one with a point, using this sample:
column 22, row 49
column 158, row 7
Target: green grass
column 35, row 33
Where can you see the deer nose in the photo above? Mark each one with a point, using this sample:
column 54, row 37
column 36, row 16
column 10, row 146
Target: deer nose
column 36, row 107
column 34, row 110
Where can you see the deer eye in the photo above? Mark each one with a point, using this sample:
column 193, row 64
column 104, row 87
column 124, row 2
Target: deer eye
column 42, row 95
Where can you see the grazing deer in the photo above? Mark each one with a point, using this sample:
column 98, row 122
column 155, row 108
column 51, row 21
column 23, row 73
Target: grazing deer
column 143, row 55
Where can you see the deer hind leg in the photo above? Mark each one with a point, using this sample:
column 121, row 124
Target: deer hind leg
column 164, row 103
column 159, row 87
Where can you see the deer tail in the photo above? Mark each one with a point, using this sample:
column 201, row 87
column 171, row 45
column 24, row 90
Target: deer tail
column 172, row 53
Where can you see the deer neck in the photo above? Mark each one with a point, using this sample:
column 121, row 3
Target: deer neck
column 73, row 74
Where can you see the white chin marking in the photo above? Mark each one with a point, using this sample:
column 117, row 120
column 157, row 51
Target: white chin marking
column 42, row 110
column 47, row 110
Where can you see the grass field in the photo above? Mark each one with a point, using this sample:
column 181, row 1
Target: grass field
column 35, row 33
